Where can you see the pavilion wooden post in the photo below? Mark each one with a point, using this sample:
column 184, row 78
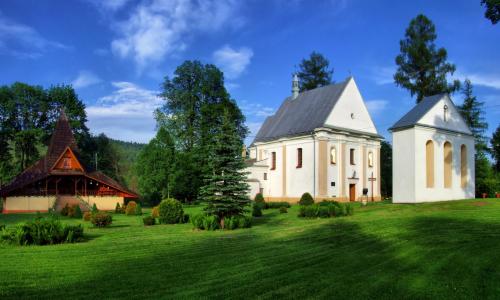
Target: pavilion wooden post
column 372, row 179
column 76, row 185
column 57, row 183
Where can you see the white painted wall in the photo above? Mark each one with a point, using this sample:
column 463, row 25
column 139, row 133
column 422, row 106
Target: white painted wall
column 27, row 203
column 403, row 166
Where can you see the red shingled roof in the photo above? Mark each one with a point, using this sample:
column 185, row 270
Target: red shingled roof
column 62, row 138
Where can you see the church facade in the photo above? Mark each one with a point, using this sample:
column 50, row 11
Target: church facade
column 321, row 141
column 433, row 153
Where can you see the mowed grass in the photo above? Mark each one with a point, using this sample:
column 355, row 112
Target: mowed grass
column 441, row 250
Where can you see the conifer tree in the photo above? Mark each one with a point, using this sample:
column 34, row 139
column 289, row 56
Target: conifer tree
column 314, row 72
column 422, row 69
column 495, row 148
column 471, row 111
column 225, row 189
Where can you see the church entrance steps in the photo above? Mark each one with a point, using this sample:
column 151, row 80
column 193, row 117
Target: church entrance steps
column 71, row 200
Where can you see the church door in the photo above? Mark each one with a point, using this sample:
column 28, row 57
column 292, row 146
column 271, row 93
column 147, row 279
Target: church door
column 352, row 192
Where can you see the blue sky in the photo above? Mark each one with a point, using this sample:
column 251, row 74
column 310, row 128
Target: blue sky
column 116, row 53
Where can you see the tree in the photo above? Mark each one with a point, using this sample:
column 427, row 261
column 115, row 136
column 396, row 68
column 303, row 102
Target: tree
column 225, row 189
column 422, row 69
column 154, row 167
column 495, row 148
column 386, row 169
column 492, row 10
column 471, row 111
column 314, row 72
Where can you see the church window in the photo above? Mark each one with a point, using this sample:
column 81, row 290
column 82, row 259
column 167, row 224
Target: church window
column 447, row 164
column 265, row 176
column 370, row 159
column 463, row 166
column 299, row 157
column 333, row 155
column 429, row 164
column 352, row 156
column 273, row 160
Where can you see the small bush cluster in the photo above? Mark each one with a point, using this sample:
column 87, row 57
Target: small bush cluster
column 41, row 231
column 149, row 221
column 212, row 222
column 130, row 209
column 306, row 199
column 257, row 209
column 155, row 212
column 326, row 209
column 283, row 210
column 101, row 219
column 273, row 205
column 94, row 209
column 73, row 211
column 87, row 216
column 171, row 212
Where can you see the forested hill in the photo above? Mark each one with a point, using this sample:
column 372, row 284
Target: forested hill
column 128, row 152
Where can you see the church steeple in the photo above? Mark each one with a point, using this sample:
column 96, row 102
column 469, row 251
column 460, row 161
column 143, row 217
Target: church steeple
column 295, row 86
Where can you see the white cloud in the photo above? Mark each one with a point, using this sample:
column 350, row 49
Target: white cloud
column 256, row 109
column 383, row 75
column 487, row 80
column 159, row 28
column 233, row 61
column 125, row 114
column 24, row 41
column 84, row 79
column 376, row 106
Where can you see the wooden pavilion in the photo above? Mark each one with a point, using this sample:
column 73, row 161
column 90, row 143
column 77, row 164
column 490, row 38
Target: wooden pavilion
column 59, row 178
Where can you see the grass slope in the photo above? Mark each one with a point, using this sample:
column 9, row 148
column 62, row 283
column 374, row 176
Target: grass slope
column 440, row 250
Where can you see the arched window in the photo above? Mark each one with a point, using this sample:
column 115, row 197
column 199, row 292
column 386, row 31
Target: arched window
column 447, row 164
column 429, row 163
column 333, row 155
column 463, row 166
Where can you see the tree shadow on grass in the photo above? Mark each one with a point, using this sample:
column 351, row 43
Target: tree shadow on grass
column 429, row 258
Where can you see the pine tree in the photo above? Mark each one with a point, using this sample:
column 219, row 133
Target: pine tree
column 314, row 72
column 225, row 189
column 495, row 148
column 471, row 111
column 492, row 10
column 422, row 69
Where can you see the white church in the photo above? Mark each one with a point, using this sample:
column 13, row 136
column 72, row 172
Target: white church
column 321, row 141
column 433, row 153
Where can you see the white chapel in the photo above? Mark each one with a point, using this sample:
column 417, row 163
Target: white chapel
column 322, row 141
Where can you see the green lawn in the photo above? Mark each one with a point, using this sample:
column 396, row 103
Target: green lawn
column 440, row 250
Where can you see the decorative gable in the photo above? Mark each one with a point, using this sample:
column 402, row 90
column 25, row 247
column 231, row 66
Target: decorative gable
column 68, row 162
column 444, row 115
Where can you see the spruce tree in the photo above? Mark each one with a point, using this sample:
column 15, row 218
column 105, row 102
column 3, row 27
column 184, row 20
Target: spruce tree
column 495, row 148
column 314, row 72
column 225, row 189
column 471, row 111
column 492, row 10
column 422, row 69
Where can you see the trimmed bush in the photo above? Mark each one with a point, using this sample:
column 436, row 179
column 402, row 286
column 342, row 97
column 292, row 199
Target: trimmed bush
column 257, row 209
column 155, row 212
column 197, row 221
column 306, row 199
column 326, row 209
column 87, row 216
column 149, row 221
column 71, row 211
column 138, row 210
column 210, row 222
column 101, row 219
column 94, row 209
column 42, row 231
column 130, row 209
column 283, row 210
column 171, row 211
column 65, row 210
column 185, row 218
column 272, row 205
column 77, row 212
column 118, row 209
column 259, row 198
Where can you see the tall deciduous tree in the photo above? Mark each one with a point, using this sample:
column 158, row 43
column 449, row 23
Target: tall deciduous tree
column 492, row 10
column 422, row 69
column 314, row 72
column 495, row 148
column 471, row 111
column 154, row 167
column 225, row 190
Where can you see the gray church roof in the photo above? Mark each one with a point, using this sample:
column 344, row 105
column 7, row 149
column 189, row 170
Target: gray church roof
column 411, row 118
column 303, row 114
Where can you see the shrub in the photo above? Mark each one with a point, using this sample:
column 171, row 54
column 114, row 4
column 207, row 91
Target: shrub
column 170, row 211
column 155, row 212
column 271, row 205
column 257, row 209
column 349, row 209
column 283, row 210
column 65, row 210
column 306, row 199
column 71, row 211
column 149, row 221
column 42, row 232
column 87, row 216
column 94, row 209
column 130, row 209
column 138, row 210
column 326, row 209
column 101, row 219
column 211, row 222
column 185, row 218
column 259, row 198
column 197, row 221
column 118, row 209
column 77, row 212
